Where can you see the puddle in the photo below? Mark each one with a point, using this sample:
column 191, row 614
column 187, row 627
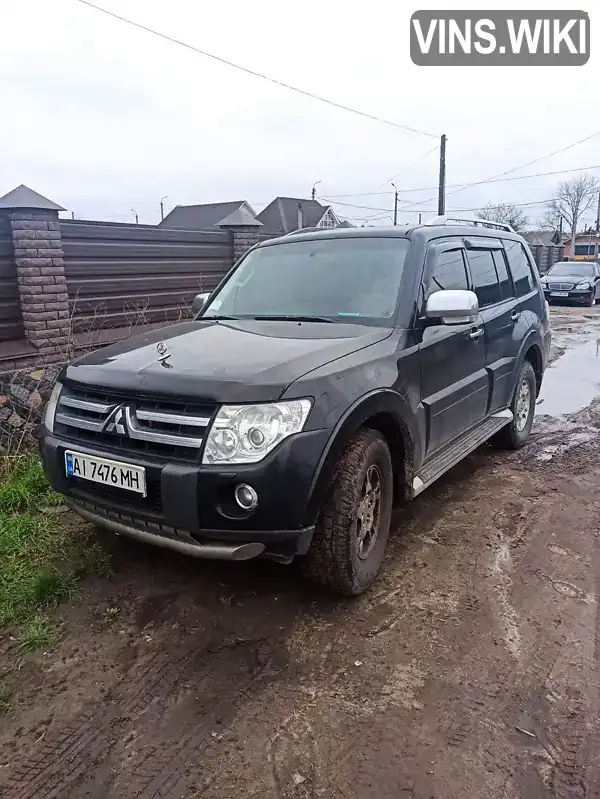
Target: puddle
column 572, row 382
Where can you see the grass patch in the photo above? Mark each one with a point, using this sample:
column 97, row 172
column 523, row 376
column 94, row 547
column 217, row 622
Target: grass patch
column 5, row 700
column 23, row 485
column 39, row 633
column 41, row 554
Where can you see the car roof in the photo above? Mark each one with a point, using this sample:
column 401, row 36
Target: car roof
column 423, row 232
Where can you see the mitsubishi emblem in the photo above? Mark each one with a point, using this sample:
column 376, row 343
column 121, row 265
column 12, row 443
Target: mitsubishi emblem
column 163, row 353
column 116, row 422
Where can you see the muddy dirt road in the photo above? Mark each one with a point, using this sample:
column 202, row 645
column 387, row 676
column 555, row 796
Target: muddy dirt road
column 470, row 670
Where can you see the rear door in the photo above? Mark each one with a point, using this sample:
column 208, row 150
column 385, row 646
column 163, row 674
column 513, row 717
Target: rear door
column 454, row 382
column 499, row 310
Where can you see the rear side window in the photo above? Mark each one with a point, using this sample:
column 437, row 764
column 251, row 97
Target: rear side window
column 506, row 287
column 449, row 272
column 519, row 266
column 485, row 279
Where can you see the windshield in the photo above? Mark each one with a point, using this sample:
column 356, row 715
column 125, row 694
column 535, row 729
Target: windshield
column 569, row 268
column 330, row 279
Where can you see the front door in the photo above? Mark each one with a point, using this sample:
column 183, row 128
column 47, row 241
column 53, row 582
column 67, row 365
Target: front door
column 454, row 380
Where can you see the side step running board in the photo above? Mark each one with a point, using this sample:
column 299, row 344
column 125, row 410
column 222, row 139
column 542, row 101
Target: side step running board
column 454, row 453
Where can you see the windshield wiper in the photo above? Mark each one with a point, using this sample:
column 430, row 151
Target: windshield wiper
column 291, row 318
column 217, row 317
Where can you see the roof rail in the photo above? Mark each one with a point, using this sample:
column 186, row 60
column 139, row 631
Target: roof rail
column 449, row 220
column 303, row 230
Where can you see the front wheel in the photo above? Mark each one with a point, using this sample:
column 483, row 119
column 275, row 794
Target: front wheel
column 349, row 543
column 515, row 434
column 591, row 301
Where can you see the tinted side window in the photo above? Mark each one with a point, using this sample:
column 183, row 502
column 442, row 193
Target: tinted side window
column 485, row 279
column 449, row 272
column 506, row 286
column 519, row 267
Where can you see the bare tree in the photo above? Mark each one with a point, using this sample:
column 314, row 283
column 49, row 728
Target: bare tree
column 572, row 199
column 549, row 220
column 505, row 214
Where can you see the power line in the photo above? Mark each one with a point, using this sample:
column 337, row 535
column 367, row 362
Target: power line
column 253, row 72
column 452, row 185
column 333, row 197
column 434, row 210
column 412, row 163
column 514, row 169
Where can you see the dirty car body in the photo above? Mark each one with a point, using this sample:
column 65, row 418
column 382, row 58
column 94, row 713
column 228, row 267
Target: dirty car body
column 221, row 437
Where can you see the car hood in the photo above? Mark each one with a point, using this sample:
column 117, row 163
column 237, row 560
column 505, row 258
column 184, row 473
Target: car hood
column 222, row 361
column 567, row 279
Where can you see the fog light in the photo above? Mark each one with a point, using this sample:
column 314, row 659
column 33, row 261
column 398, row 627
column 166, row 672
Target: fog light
column 246, row 497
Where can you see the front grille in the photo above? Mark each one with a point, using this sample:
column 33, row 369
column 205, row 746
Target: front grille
column 561, row 286
column 168, row 429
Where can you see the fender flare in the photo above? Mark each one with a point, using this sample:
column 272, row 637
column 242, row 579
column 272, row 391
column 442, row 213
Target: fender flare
column 375, row 402
column 533, row 339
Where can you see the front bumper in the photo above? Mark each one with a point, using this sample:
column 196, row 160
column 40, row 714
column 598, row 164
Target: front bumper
column 189, row 507
column 574, row 295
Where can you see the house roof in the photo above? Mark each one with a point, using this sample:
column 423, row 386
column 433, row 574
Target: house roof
column 281, row 215
column 543, row 237
column 24, row 197
column 207, row 215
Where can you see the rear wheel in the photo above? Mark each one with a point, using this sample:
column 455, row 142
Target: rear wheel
column 515, row 434
column 349, row 543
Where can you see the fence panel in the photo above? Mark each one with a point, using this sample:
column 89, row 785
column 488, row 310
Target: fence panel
column 126, row 275
column 11, row 323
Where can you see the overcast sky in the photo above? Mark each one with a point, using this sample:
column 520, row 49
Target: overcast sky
column 104, row 118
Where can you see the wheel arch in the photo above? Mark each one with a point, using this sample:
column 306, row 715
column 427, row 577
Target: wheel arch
column 385, row 411
column 532, row 352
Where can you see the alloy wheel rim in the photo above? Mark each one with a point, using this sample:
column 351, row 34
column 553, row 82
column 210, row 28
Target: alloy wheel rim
column 523, row 405
column 369, row 512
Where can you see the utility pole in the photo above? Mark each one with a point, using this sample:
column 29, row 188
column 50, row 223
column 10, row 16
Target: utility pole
column 442, row 181
column 137, row 222
column 162, row 208
column 314, row 190
column 72, row 214
column 395, row 204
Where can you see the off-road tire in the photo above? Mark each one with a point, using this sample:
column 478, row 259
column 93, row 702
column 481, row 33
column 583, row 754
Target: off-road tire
column 332, row 560
column 510, row 437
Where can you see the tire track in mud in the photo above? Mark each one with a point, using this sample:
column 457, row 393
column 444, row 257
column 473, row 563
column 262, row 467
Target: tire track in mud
column 76, row 759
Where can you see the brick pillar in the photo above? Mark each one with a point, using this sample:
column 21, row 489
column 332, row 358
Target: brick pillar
column 244, row 237
column 39, row 259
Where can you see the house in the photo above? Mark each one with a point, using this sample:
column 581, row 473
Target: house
column 282, row 215
column 209, row 215
column 545, row 238
column 587, row 246
column 286, row 214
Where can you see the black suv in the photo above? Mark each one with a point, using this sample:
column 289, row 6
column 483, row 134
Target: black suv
column 331, row 375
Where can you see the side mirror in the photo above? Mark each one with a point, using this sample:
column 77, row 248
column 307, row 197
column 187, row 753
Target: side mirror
column 453, row 307
column 199, row 302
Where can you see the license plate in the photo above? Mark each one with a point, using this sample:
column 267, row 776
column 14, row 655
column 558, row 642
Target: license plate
column 559, row 293
column 107, row 472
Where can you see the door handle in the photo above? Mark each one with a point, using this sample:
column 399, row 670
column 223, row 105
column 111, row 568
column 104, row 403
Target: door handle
column 476, row 333
column 515, row 315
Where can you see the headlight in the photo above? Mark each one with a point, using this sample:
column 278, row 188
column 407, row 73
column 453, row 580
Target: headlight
column 246, row 433
column 50, row 411
column 584, row 285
